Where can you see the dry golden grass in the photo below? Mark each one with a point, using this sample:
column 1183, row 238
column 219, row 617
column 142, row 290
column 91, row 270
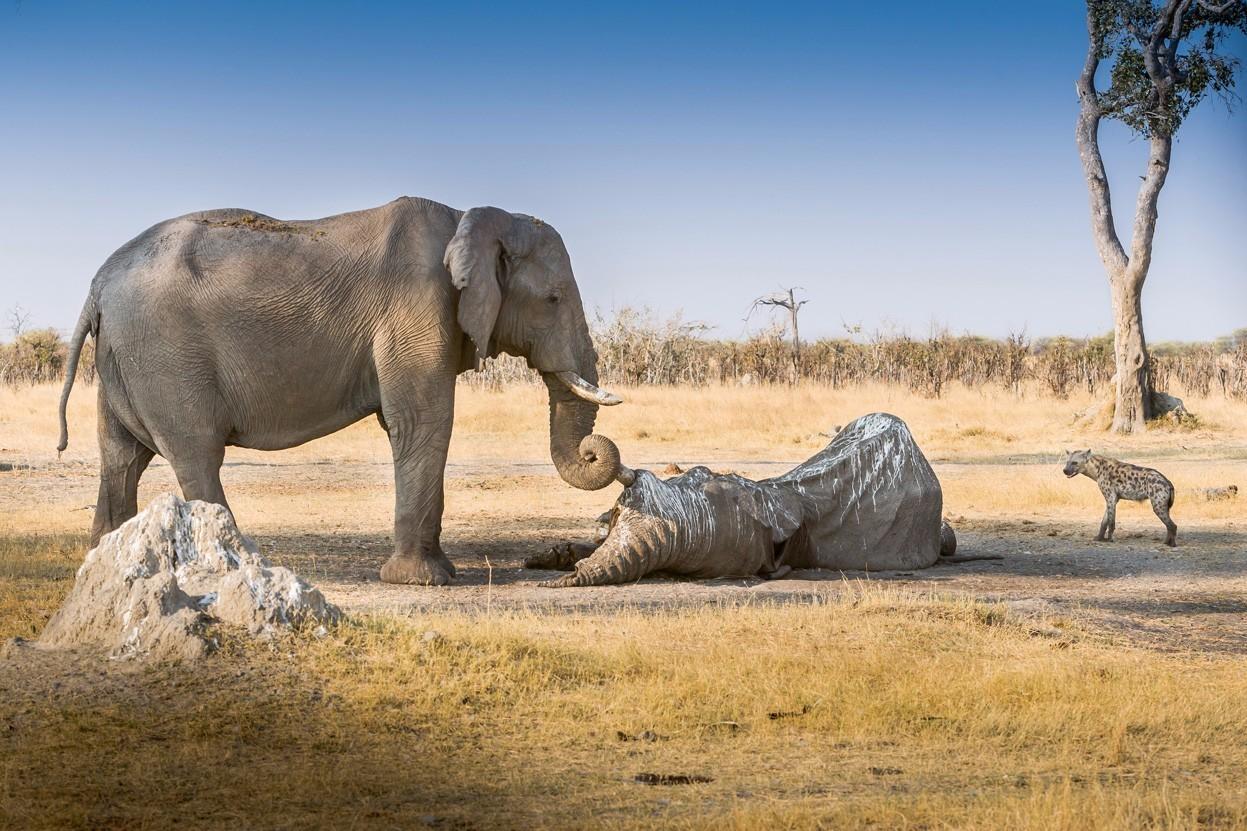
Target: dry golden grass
column 996, row 453
column 710, row 422
column 899, row 709
column 36, row 571
column 873, row 707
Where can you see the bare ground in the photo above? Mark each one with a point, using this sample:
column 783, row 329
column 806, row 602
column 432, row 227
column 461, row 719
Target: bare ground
column 1117, row 701
column 330, row 521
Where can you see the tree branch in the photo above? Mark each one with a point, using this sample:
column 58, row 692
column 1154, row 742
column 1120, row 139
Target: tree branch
column 1175, row 31
column 1087, row 134
column 1145, row 211
column 1222, row 9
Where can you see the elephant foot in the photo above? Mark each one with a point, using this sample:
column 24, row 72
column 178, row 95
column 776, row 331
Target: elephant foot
column 566, row 581
column 417, row 571
column 445, row 563
column 561, row 557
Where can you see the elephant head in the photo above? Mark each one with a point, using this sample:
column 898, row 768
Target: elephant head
column 517, row 295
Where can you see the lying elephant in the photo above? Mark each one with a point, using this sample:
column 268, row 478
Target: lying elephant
column 868, row 501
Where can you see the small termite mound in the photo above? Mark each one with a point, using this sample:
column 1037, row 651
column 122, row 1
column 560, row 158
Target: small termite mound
column 156, row 586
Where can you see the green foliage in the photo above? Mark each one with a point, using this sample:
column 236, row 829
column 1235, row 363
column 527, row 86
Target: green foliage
column 1154, row 99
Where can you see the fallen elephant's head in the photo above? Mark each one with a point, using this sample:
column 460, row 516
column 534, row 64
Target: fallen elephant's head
column 698, row 524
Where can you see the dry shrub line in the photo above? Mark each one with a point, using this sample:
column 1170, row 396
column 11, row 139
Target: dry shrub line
column 635, row 347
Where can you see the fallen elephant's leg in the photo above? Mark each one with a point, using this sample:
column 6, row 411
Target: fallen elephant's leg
column 609, row 565
column 779, row 573
column 561, row 557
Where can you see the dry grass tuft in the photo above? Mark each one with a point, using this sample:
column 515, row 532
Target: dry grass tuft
column 871, row 706
column 36, row 572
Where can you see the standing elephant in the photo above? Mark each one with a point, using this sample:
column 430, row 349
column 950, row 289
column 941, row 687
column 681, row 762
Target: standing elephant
column 232, row 328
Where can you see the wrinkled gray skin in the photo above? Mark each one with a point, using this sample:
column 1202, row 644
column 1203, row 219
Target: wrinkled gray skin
column 868, row 501
column 232, row 328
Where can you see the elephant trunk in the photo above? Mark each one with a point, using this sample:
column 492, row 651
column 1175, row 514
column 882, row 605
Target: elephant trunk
column 584, row 459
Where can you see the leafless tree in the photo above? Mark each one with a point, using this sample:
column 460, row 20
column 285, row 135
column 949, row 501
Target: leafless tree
column 1164, row 59
column 19, row 319
column 785, row 299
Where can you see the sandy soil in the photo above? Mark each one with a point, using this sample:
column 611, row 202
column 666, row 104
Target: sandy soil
column 330, row 519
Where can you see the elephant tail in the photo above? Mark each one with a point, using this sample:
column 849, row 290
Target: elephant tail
column 85, row 326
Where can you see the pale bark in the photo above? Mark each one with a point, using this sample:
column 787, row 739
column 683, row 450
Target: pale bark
column 1134, row 388
column 1127, row 273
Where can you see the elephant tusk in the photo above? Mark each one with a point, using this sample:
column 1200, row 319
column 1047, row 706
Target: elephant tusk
column 587, row 391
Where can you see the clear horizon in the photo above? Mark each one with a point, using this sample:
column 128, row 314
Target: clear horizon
column 909, row 167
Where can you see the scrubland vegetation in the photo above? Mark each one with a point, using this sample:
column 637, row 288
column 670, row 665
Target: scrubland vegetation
column 864, row 705
column 636, row 348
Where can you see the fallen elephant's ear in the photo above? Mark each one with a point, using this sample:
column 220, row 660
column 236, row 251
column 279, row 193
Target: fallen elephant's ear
column 771, row 507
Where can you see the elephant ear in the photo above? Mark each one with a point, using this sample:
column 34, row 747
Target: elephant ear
column 777, row 510
column 474, row 257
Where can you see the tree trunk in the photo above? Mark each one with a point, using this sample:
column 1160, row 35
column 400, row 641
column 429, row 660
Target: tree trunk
column 1126, row 273
column 794, row 307
column 1134, row 388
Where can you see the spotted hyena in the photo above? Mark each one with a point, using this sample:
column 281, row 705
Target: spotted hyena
column 1119, row 480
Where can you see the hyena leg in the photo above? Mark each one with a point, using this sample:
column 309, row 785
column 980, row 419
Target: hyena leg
column 1109, row 523
column 1160, row 505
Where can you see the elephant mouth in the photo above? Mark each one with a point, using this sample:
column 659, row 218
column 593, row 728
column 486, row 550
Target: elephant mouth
column 583, row 389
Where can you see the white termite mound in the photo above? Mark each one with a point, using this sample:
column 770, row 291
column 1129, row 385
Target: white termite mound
column 153, row 587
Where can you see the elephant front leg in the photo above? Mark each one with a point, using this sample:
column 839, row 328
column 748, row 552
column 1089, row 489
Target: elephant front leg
column 419, row 468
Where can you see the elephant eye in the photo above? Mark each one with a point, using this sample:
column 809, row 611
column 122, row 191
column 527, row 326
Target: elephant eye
column 553, row 298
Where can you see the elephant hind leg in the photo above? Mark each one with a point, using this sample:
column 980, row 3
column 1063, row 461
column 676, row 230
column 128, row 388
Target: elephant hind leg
column 197, row 466
column 123, row 458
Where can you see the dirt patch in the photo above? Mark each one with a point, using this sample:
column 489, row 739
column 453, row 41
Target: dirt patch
column 258, row 222
column 499, row 513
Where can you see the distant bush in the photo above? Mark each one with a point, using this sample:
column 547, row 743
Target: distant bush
column 39, row 355
column 637, row 347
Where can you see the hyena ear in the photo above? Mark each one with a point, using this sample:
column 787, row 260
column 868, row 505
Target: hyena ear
column 1066, row 452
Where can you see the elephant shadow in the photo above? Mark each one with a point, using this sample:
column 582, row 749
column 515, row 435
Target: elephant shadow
column 494, row 558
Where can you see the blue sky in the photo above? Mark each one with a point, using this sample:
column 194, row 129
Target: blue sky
column 909, row 164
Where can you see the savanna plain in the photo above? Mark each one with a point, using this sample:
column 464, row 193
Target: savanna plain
column 1069, row 684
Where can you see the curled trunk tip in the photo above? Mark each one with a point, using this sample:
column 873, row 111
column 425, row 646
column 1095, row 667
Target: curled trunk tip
column 584, row 459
